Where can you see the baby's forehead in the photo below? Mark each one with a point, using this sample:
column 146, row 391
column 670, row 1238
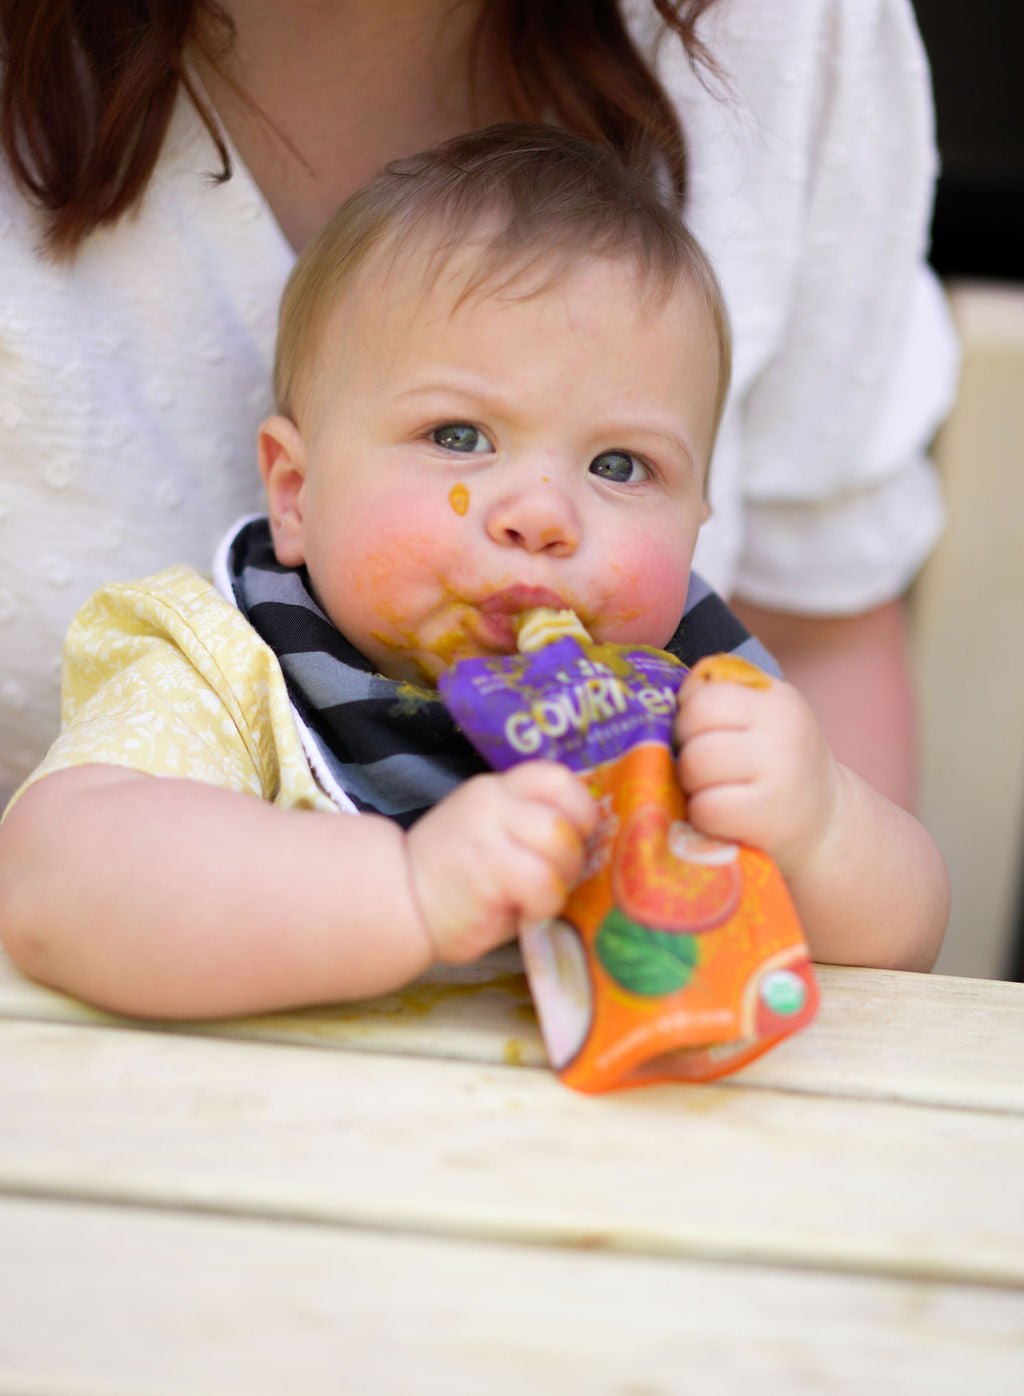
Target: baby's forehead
column 419, row 285
column 415, row 270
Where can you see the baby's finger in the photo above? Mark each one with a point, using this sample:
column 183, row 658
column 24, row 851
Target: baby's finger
column 534, row 883
column 546, row 833
column 730, row 812
column 705, row 707
column 715, row 758
column 729, row 668
column 549, row 783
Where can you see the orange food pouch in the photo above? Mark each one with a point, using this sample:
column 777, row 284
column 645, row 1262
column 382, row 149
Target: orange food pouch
column 676, row 957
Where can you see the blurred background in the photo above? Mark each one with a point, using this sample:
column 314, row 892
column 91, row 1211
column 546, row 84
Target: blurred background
column 975, row 52
column 967, row 609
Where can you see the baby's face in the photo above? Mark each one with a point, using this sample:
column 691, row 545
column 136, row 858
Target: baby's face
column 462, row 463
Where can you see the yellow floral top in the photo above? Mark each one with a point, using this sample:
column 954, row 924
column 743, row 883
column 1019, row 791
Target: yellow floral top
column 165, row 676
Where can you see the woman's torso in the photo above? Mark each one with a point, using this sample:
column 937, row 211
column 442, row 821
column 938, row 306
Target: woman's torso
column 132, row 382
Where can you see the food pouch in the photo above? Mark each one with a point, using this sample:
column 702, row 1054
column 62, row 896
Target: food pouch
column 676, row 956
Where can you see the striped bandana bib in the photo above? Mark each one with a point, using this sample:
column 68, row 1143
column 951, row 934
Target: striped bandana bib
column 394, row 750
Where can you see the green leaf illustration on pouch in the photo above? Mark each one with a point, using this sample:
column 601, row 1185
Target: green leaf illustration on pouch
column 642, row 960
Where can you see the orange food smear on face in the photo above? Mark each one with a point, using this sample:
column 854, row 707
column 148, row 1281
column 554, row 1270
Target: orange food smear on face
column 458, row 498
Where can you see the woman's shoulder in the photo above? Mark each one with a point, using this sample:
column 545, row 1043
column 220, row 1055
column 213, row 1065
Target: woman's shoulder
column 189, row 235
column 769, row 71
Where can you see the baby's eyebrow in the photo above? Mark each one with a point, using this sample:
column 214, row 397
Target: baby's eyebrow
column 634, row 432
column 480, row 394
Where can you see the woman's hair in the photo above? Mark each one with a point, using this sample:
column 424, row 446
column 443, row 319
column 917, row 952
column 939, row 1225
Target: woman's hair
column 89, row 87
column 531, row 201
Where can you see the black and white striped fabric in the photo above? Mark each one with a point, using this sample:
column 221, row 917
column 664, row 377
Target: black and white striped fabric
column 392, row 749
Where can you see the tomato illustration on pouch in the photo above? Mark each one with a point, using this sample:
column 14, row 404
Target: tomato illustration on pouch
column 668, row 876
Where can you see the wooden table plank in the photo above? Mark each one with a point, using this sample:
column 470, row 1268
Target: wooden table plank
column 191, row 1305
column 879, row 1035
column 490, row 1152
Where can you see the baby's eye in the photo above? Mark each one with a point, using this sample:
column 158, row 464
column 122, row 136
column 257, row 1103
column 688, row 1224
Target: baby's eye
column 458, row 436
column 619, row 467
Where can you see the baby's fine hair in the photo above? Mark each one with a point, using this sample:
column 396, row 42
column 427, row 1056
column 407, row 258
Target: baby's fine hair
column 532, row 198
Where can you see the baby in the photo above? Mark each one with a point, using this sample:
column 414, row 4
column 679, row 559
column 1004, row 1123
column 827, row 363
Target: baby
column 499, row 374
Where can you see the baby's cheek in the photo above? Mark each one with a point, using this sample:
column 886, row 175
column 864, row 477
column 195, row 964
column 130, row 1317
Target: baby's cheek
column 405, row 539
column 646, row 594
column 387, row 565
column 378, row 573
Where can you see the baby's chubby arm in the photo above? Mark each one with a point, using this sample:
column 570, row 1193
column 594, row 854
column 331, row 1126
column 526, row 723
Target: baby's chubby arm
column 169, row 898
column 866, row 878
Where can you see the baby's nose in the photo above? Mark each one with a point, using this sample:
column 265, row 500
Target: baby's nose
column 540, row 518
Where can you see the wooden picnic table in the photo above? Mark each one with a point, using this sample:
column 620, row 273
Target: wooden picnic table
column 401, row 1197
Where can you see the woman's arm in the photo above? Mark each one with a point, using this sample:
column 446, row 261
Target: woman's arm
column 855, row 673
column 828, row 444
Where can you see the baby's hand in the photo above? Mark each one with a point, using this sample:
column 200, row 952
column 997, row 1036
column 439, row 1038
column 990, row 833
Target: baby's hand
column 497, row 850
column 755, row 767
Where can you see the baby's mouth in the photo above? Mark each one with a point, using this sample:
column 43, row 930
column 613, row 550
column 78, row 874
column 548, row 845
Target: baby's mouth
column 511, row 600
column 494, row 623
column 477, row 628
column 493, row 631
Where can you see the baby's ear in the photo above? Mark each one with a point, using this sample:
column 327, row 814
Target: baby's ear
column 282, row 458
